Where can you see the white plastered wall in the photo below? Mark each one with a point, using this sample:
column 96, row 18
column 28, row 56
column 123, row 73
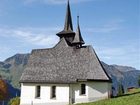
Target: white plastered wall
column 28, row 94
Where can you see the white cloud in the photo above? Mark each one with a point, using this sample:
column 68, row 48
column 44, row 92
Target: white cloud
column 123, row 55
column 23, row 40
column 108, row 27
column 102, row 29
column 54, row 1
column 35, row 36
column 111, row 53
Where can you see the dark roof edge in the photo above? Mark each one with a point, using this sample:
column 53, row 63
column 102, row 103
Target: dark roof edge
column 94, row 80
column 63, row 32
column 102, row 67
column 78, row 80
column 38, row 82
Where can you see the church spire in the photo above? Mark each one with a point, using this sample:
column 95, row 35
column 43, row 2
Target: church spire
column 68, row 19
column 67, row 32
column 78, row 40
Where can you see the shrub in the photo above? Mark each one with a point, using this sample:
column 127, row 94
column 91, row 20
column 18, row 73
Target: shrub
column 14, row 101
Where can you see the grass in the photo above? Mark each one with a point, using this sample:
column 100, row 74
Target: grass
column 131, row 98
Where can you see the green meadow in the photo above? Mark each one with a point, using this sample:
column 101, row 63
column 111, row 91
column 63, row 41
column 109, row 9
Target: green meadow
column 131, row 98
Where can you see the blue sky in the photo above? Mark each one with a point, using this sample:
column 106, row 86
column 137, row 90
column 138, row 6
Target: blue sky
column 112, row 27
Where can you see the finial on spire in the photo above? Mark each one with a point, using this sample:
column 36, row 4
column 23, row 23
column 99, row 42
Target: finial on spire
column 78, row 19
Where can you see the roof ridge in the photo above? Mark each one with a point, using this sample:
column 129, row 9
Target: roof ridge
column 61, row 40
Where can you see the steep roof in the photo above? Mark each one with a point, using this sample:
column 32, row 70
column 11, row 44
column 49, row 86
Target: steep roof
column 63, row 64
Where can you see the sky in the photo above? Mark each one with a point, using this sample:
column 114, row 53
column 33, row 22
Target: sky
column 112, row 27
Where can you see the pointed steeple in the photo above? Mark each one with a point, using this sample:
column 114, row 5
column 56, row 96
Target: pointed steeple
column 78, row 40
column 67, row 32
column 68, row 19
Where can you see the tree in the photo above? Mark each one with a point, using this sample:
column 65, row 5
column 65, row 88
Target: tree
column 3, row 90
column 120, row 90
column 139, row 81
column 14, row 101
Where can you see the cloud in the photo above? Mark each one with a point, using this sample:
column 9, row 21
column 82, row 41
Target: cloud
column 109, row 53
column 23, row 40
column 35, row 36
column 54, row 1
column 119, row 55
column 102, row 29
column 108, row 27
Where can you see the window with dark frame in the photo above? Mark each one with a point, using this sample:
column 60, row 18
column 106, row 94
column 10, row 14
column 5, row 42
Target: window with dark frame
column 53, row 92
column 38, row 89
column 83, row 89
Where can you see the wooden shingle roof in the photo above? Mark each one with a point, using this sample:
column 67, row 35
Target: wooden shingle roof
column 63, row 64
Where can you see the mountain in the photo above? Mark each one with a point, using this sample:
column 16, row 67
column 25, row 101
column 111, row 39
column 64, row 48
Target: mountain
column 122, row 75
column 12, row 68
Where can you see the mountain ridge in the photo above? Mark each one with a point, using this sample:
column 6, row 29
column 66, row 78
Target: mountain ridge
column 11, row 70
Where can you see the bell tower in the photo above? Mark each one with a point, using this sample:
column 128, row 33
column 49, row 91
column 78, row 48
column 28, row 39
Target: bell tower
column 78, row 40
column 67, row 32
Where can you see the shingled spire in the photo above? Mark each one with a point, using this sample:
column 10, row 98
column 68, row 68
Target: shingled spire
column 67, row 32
column 68, row 20
column 78, row 40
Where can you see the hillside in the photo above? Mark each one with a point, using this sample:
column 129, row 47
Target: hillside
column 12, row 68
column 127, row 99
column 122, row 75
